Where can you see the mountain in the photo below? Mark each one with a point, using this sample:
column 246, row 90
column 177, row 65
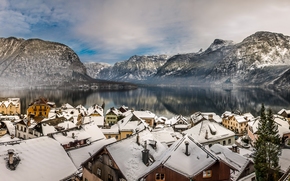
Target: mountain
column 261, row 59
column 136, row 69
column 39, row 63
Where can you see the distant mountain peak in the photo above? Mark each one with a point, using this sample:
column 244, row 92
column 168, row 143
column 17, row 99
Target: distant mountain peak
column 219, row 43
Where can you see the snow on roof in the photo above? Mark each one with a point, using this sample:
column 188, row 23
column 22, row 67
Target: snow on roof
column 284, row 159
column 283, row 125
column 10, row 127
column 41, row 159
column 214, row 131
column 233, row 159
column 95, row 109
column 131, row 122
column 144, row 114
column 113, row 110
column 7, row 138
column 128, row 154
column 98, row 120
column 81, row 154
column 67, row 106
column 71, row 136
column 94, row 131
column 198, row 159
column 175, row 119
column 165, row 135
column 284, row 110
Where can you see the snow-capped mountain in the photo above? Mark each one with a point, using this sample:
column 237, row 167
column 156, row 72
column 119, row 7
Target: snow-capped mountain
column 136, row 69
column 39, row 63
column 94, row 68
column 262, row 59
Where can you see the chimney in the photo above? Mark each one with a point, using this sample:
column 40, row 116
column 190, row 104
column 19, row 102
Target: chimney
column 137, row 139
column 145, row 155
column 186, row 148
column 235, row 148
column 11, row 159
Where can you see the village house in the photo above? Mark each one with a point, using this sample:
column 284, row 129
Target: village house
column 10, row 106
column 209, row 132
column 112, row 116
column 200, row 116
column 125, row 127
column 285, row 113
column 39, row 108
column 147, row 116
column 126, row 159
column 236, row 122
column 240, row 166
column 34, row 159
column 179, row 123
column 187, row 160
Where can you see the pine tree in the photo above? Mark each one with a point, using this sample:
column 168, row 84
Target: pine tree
column 267, row 148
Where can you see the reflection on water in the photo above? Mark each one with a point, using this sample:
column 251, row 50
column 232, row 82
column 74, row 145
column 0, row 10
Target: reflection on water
column 164, row 101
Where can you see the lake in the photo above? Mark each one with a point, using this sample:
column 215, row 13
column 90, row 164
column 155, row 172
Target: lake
column 164, row 101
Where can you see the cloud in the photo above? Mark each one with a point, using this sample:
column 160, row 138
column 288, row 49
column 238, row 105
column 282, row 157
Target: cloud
column 101, row 30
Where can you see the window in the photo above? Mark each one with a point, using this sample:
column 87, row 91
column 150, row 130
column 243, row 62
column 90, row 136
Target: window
column 116, row 137
column 229, row 141
column 206, row 174
column 110, row 162
column 159, row 176
column 90, row 165
column 86, row 179
column 99, row 172
column 110, row 177
column 224, row 142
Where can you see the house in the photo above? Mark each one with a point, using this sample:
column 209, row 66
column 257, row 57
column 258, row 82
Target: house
column 27, row 128
column 285, row 113
column 187, row 160
column 282, row 123
column 200, row 116
column 10, row 106
column 35, row 159
column 112, row 116
column 179, row 123
column 95, row 110
column 125, row 127
column 147, row 116
column 240, row 165
column 236, row 122
column 126, row 159
column 39, row 108
column 209, row 132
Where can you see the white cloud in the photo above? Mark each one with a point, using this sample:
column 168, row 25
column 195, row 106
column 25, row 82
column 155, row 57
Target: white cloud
column 123, row 28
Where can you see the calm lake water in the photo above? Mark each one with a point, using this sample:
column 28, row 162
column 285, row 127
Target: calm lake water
column 164, row 101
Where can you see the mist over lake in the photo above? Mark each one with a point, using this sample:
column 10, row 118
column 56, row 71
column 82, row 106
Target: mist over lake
column 164, row 101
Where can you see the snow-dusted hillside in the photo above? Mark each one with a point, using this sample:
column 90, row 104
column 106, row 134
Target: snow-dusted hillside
column 262, row 59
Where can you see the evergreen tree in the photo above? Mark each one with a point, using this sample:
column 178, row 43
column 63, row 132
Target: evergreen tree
column 267, row 148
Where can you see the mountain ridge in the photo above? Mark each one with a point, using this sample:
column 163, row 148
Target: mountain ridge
column 261, row 59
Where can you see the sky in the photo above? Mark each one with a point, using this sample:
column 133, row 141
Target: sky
column 114, row 30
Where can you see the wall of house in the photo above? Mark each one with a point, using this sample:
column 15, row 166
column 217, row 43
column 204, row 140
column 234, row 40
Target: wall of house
column 225, row 141
column 109, row 135
column 25, row 133
column 38, row 110
column 232, row 124
column 219, row 171
column 11, row 109
column 111, row 119
column 102, row 167
column 169, row 175
column 125, row 134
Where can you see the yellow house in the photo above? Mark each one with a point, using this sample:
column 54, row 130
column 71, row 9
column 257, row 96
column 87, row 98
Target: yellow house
column 11, row 106
column 39, row 108
column 235, row 122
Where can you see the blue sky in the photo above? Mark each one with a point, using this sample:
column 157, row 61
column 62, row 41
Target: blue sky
column 114, row 30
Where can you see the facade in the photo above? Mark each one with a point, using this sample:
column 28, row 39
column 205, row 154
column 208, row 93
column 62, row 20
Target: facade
column 179, row 123
column 235, row 122
column 39, row 108
column 27, row 129
column 112, row 116
column 11, row 106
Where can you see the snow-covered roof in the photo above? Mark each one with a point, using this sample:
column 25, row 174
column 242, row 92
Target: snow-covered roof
column 98, row 120
column 114, row 111
column 81, row 154
column 284, row 159
column 166, row 135
column 144, row 114
column 284, row 110
column 197, row 160
column 176, row 119
column 213, row 130
column 10, row 127
column 7, row 138
column 128, row 154
column 240, row 118
column 95, row 109
column 41, row 159
column 283, row 125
